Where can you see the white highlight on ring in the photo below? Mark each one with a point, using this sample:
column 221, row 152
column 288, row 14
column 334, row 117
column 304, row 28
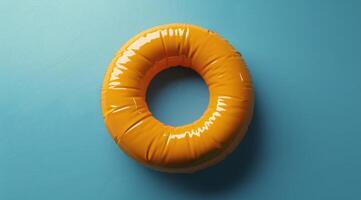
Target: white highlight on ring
column 206, row 125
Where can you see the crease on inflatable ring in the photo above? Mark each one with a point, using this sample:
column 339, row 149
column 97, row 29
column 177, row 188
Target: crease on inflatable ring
column 188, row 148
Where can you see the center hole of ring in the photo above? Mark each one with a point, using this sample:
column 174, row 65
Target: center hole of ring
column 177, row 96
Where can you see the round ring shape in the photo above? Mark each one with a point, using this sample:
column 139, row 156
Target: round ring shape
column 188, row 148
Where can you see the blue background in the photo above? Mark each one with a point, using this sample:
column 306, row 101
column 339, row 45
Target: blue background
column 304, row 141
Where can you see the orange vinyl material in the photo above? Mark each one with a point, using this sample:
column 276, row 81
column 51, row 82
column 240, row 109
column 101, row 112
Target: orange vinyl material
column 194, row 146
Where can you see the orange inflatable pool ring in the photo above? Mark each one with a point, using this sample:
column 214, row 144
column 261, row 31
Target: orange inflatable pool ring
column 194, row 146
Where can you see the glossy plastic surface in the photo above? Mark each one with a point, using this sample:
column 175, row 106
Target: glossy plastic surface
column 193, row 146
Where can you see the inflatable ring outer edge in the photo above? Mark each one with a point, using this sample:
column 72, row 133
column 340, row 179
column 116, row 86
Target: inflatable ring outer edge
column 204, row 164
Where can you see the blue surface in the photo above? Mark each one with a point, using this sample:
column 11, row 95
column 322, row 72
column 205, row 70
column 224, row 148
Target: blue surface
column 304, row 141
column 177, row 96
